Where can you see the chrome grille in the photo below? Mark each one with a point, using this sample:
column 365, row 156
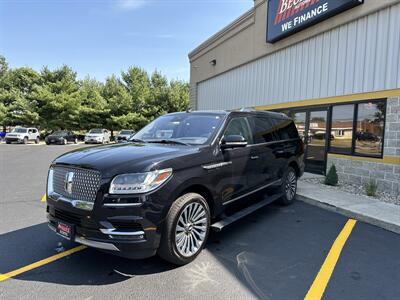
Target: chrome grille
column 85, row 183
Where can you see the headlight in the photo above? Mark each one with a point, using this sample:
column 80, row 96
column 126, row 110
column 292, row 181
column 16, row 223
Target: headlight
column 139, row 182
column 50, row 181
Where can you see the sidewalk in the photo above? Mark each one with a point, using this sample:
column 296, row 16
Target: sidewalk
column 368, row 210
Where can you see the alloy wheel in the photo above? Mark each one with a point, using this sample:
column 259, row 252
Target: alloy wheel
column 191, row 229
column 291, row 185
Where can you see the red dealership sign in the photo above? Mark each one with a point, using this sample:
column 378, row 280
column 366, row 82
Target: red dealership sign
column 286, row 17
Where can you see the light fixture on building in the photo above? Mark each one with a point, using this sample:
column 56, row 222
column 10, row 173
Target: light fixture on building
column 213, row 62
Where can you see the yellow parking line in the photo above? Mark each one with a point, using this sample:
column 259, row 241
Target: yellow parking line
column 40, row 263
column 43, row 198
column 317, row 289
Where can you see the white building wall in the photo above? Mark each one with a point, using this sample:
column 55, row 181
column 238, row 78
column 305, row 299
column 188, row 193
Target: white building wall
column 361, row 56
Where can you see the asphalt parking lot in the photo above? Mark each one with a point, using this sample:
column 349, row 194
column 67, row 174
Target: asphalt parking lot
column 275, row 253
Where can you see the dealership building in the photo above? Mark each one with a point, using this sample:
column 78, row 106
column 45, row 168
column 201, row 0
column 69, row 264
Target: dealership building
column 332, row 65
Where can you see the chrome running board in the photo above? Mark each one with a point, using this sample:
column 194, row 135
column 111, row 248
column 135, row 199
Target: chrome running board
column 218, row 226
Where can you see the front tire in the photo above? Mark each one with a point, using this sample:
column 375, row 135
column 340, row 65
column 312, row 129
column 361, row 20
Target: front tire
column 25, row 141
column 76, row 141
column 289, row 186
column 186, row 229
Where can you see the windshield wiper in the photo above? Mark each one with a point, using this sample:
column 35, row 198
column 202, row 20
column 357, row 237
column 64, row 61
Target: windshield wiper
column 165, row 141
column 136, row 141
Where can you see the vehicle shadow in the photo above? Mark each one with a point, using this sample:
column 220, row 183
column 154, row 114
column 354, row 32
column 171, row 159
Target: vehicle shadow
column 274, row 252
column 89, row 266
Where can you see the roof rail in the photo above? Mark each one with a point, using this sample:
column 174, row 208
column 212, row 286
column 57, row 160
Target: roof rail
column 247, row 109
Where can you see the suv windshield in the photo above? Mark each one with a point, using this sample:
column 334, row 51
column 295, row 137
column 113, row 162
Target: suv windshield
column 96, row 131
column 188, row 128
column 20, row 130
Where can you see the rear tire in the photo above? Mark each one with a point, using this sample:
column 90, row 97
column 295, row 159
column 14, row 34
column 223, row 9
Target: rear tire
column 37, row 140
column 8, row 142
column 288, row 187
column 76, row 141
column 65, row 141
column 186, row 229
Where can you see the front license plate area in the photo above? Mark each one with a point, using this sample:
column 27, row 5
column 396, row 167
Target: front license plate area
column 65, row 230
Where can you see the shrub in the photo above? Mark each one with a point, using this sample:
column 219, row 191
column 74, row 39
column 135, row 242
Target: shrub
column 332, row 177
column 370, row 188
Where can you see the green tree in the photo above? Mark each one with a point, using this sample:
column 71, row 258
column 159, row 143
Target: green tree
column 332, row 176
column 137, row 83
column 94, row 108
column 3, row 114
column 157, row 103
column 178, row 98
column 58, row 99
column 16, row 88
column 22, row 112
column 55, row 99
column 119, row 102
column 3, row 67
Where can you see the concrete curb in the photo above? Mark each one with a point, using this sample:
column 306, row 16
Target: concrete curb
column 351, row 214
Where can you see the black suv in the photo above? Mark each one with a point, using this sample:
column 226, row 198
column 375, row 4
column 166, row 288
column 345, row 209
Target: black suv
column 61, row 137
column 163, row 190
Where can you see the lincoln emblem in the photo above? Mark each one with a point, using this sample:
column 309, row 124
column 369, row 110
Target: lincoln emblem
column 68, row 182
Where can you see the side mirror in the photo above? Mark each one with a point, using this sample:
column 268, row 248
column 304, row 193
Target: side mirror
column 233, row 141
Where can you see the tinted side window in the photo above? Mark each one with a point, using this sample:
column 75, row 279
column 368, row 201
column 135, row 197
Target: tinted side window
column 263, row 131
column 239, row 126
column 285, row 129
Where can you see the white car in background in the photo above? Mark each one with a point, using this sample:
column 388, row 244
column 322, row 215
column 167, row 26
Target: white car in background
column 124, row 135
column 97, row 136
column 23, row 135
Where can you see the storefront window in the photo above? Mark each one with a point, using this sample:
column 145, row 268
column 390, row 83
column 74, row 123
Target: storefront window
column 362, row 136
column 299, row 119
column 342, row 129
column 369, row 128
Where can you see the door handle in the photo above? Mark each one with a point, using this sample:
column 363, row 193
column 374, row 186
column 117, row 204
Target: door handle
column 254, row 157
column 280, row 152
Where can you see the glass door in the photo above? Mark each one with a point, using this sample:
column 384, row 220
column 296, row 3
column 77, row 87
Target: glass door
column 316, row 141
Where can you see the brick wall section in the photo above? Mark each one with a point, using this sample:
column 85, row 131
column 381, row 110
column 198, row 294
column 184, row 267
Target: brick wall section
column 387, row 176
column 392, row 129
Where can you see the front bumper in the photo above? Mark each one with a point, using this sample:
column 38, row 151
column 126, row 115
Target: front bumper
column 84, row 241
column 121, row 139
column 54, row 141
column 93, row 141
column 14, row 139
column 128, row 231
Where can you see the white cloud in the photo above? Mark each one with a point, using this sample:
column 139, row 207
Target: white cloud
column 131, row 4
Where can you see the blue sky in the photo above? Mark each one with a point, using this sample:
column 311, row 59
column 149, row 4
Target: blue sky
column 101, row 37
